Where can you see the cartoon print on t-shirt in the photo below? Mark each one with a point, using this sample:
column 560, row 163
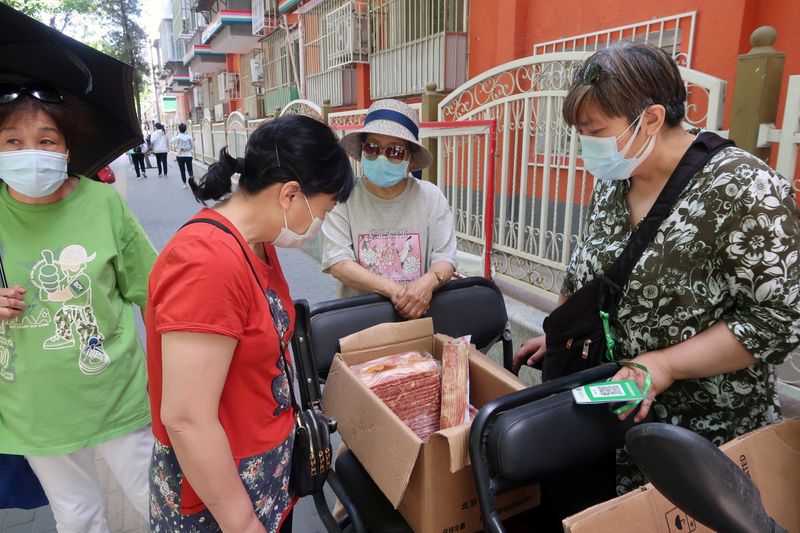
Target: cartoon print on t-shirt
column 65, row 281
column 397, row 257
column 280, row 386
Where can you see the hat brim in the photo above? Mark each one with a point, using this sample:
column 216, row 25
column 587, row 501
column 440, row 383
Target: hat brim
column 420, row 159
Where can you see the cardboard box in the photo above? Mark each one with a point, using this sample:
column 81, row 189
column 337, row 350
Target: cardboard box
column 770, row 456
column 430, row 483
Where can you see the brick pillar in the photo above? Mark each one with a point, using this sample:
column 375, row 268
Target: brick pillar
column 430, row 113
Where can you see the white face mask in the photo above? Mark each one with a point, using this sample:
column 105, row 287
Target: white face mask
column 33, row 173
column 291, row 239
column 605, row 161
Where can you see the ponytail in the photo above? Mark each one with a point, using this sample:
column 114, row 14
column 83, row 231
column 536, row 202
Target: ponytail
column 217, row 183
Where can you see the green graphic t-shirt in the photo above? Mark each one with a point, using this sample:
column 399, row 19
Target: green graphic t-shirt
column 72, row 370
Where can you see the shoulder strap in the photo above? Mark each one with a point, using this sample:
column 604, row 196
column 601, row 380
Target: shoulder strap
column 225, row 228
column 3, row 280
column 699, row 153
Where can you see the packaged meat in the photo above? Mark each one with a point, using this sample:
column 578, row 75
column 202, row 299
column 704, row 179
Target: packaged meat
column 455, row 383
column 408, row 383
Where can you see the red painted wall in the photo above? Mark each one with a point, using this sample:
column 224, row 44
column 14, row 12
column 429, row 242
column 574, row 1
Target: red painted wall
column 500, row 31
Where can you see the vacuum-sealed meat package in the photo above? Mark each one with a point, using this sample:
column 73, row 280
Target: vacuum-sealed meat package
column 455, row 383
column 408, row 383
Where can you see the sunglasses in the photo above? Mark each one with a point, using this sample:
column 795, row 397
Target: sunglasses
column 43, row 93
column 592, row 73
column 395, row 153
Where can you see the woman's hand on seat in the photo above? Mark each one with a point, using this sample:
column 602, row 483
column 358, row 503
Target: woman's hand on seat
column 415, row 300
column 531, row 352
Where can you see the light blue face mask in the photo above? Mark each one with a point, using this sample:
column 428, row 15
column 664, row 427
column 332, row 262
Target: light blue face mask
column 605, row 161
column 382, row 172
column 33, row 173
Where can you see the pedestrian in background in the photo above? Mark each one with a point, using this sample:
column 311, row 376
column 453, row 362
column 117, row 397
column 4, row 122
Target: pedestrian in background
column 159, row 143
column 137, row 156
column 183, row 145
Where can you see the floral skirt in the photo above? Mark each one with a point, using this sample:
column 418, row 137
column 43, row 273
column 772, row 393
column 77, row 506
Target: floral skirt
column 265, row 477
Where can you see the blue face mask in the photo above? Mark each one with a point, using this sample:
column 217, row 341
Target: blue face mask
column 605, row 161
column 33, row 173
column 382, row 172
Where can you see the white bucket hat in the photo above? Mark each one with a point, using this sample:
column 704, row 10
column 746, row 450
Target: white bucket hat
column 393, row 118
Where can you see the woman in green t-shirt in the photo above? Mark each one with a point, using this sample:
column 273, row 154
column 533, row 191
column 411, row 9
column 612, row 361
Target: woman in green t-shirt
column 72, row 370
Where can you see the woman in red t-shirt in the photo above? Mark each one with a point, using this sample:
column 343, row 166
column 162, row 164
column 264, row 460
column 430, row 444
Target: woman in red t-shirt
column 219, row 392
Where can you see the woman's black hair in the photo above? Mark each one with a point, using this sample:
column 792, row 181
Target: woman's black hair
column 182, row 127
column 68, row 116
column 289, row 148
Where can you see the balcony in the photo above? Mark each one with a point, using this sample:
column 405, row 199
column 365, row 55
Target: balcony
column 180, row 78
column 337, row 85
column 230, row 32
column 415, row 42
column 202, row 60
column 265, row 17
column 186, row 20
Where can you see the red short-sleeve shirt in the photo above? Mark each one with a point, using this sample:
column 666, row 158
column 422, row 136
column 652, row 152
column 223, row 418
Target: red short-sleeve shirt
column 202, row 283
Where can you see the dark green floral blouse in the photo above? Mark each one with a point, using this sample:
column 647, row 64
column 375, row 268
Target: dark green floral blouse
column 728, row 251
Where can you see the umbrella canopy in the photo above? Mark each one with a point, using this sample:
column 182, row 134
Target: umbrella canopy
column 35, row 50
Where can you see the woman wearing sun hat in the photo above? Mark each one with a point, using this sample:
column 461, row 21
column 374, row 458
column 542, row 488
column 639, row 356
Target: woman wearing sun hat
column 394, row 236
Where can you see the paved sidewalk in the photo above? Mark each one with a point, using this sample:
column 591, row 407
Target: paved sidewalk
column 162, row 206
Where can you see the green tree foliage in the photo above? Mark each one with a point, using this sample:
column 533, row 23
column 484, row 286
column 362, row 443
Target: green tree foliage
column 58, row 14
column 126, row 40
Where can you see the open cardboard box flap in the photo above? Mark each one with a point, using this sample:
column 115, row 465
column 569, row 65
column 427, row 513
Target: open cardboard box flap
column 770, row 456
column 385, row 339
column 384, row 445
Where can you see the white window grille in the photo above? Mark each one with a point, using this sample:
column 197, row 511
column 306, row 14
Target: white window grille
column 279, row 83
column 277, row 67
column 335, row 33
column 395, row 23
column 187, row 20
column 228, row 86
column 674, row 34
column 347, row 35
column 415, row 42
column 265, row 16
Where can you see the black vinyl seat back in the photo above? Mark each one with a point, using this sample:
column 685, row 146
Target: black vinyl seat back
column 469, row 306
column 533, row 434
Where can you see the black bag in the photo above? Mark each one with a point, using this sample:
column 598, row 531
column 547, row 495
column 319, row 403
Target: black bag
column 577, row 334
column 312, row 451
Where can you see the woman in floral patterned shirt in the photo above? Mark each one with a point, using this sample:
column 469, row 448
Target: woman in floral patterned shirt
column 714, row 301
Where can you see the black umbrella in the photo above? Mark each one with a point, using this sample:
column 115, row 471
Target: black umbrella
column 35, row 50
